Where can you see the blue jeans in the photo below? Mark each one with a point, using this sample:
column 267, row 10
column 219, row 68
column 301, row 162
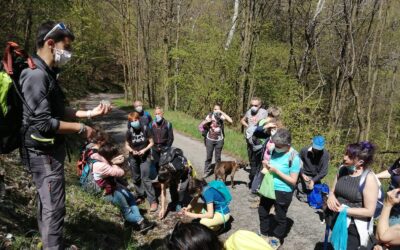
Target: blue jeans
column 124, row 199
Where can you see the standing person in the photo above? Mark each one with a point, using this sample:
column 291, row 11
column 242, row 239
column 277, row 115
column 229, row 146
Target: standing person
column 251, row 119
column 315, row 166
column 346, row 192
column 393, row 173
column 163, row 135
column 214, row 138
column 43, row 142
column 284, row 165
column 139, row 141
column 145, row 117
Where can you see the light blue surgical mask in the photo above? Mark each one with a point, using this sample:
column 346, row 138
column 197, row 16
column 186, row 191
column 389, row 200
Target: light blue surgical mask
column 159, row 118
column 135, row 124
column 280, row 150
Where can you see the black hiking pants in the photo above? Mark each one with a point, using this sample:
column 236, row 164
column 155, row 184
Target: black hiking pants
column 47, row 170
column 141, row 172
column 282, row 203
column 212, row 146
column 255, row 158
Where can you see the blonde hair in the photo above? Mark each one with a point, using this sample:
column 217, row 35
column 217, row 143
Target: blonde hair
column 274, row 111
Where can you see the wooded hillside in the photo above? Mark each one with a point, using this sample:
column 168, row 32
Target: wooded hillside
column 331, row 65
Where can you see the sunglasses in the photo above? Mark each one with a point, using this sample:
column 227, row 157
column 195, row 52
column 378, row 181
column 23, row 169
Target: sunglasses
column 58, row 26
column 280, row 146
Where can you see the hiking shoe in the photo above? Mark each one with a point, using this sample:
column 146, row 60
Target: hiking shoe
column 274, row 242
column 153, row 207
column 146, row 225
column 253, row 198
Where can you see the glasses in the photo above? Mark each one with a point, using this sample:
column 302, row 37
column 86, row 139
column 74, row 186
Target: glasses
column 58, row 26
column 280, row 146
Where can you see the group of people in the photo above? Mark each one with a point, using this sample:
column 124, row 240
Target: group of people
column 356, row 189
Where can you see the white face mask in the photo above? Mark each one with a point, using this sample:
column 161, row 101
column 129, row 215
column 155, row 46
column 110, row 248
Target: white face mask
column 61, row 56
column 139, row 109
column 273, row 131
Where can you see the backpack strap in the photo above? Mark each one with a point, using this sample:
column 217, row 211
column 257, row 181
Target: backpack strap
column 8, row 57
column 293, row 154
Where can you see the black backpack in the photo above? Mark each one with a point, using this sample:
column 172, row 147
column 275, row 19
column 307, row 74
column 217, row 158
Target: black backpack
column 11, row 100
column 169, row 155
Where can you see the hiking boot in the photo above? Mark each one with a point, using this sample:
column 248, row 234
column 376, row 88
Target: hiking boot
column 274, row 242
column 146, row 225
column 153, row 207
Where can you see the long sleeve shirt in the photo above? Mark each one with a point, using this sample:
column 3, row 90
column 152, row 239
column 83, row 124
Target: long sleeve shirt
column 315, row 166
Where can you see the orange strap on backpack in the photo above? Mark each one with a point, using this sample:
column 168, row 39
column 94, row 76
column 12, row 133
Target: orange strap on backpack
column 8, row 57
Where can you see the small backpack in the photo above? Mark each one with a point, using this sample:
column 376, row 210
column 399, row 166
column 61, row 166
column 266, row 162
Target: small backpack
column 86, row 179
column 315, row 198
column 86, row 152
column 223, row 190
column 169, row 155
column 15, row 60
column 381, row 196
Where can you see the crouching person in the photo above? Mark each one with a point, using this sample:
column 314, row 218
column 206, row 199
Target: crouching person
column 214, row 212
column 315, row 167
column 104, row 172
column 176, row 176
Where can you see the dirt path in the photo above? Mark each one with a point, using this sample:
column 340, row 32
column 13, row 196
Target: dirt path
column 306, row 230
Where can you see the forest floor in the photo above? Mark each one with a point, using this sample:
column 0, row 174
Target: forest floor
column 94, row 224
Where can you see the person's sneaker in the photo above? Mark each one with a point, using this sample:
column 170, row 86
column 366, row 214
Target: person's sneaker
column 207, row 175
column 153, row 207
column 146, row 225
column 253, row 198
column 274, row 242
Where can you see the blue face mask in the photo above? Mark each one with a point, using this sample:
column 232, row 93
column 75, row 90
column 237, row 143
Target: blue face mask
column 159, row 118
column 135, row 124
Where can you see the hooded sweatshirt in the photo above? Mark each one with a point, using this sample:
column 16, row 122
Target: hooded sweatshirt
column 103, row 173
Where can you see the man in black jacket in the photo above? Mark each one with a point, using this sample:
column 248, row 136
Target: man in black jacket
column 163, row 135
column 315, row 166
column 44, row 126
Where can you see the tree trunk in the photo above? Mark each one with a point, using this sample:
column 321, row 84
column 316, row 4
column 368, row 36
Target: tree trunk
column 234, row 22
column 378, row 30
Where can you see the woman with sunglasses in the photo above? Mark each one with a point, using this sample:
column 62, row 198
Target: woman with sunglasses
column 394, row 174
column 284, row 164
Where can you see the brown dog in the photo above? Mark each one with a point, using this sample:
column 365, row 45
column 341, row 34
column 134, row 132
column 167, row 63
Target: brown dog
column 225, row 168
